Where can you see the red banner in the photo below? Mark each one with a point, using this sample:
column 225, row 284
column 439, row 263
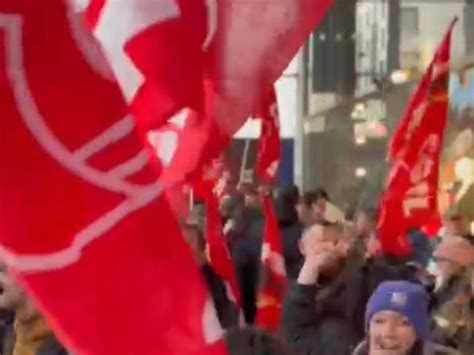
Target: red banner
column 410, row 198
column 219, row 255
column 83, row 221
column 151, row 50
column 269, row 148
column 273, row 283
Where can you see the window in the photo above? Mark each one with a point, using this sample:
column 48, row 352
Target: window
column 383, row 39
column 382, row 69
column 410, row 21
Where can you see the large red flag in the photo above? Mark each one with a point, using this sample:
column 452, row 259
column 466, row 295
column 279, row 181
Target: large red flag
column 273, row 282
column 410, row 199
column 209, row 188
column 241, row 46
column 156, row 50
column 219, row 255
column 254, row 43
column 83, row 222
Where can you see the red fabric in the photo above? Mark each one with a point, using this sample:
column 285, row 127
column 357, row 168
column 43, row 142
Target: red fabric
column 158, row 39
column 273, row 284
column 219, row 255
column 410, row 198
column 86, row 231
column 254, row 43
column 432, row 228
column 269, row 149
column 214, row 36
column 150, row 56
column 402, row 139
column 220, row 259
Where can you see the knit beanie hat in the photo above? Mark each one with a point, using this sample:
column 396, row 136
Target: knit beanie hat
column 409, row 299
column 455, row 249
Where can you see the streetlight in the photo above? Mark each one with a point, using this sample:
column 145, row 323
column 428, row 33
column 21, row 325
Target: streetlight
column 360, row 172
column 399, row 77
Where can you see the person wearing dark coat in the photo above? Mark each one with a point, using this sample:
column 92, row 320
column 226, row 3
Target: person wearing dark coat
column 453, row 306
column 246, row 254
column 255, row 341
column 291, row 229
column 226, row 309
column 24, row 330
column 325, row 307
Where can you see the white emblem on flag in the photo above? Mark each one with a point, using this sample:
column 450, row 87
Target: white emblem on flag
column 114, row 180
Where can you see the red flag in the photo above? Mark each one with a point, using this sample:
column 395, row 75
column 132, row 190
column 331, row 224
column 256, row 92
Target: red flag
column 83, row 222
column 219, row 255
column 208, row 188
column 149, row 45
column 416, row 111
column 410, row 199
column 273, row 284
column 255, row 41
column 153, row 49
column 269, row 150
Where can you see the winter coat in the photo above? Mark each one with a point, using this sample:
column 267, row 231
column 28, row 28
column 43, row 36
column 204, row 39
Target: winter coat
column 227, row 311
column 428, row 349
column 246, row 249
column 291, row 231
column 453, row 315
column 31, row 337
column 329, row 319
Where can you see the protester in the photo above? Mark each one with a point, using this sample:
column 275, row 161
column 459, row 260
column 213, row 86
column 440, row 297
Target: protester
column 453, row 308
column 455, row 223
column 226, row 309
column 254, row 341
column 311, row 207
column 365, row 223
column 324, row 310
column 7, row 318
column 29, row 334
column 291, row 229
column 422, row 247
column 303, row 209
column 397, row 322
column 317, row 200
column 247, row 237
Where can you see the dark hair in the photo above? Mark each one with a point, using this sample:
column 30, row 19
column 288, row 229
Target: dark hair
column 469, row 237
column 313, row 196
column 254, row 341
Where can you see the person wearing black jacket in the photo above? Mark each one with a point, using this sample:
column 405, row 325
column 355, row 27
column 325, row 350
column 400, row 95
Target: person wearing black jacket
column 324, row 309
column 226, row 309
column 246, row 239
column 291, row 229
column 24, row 329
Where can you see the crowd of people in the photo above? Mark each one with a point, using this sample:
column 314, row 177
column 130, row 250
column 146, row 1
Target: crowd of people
column 345, row 296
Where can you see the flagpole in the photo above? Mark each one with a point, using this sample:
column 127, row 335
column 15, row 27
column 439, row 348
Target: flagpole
column 191, row 200
column 244, row 159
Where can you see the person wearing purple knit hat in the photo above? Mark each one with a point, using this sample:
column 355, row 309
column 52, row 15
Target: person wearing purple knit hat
column 398, row 322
